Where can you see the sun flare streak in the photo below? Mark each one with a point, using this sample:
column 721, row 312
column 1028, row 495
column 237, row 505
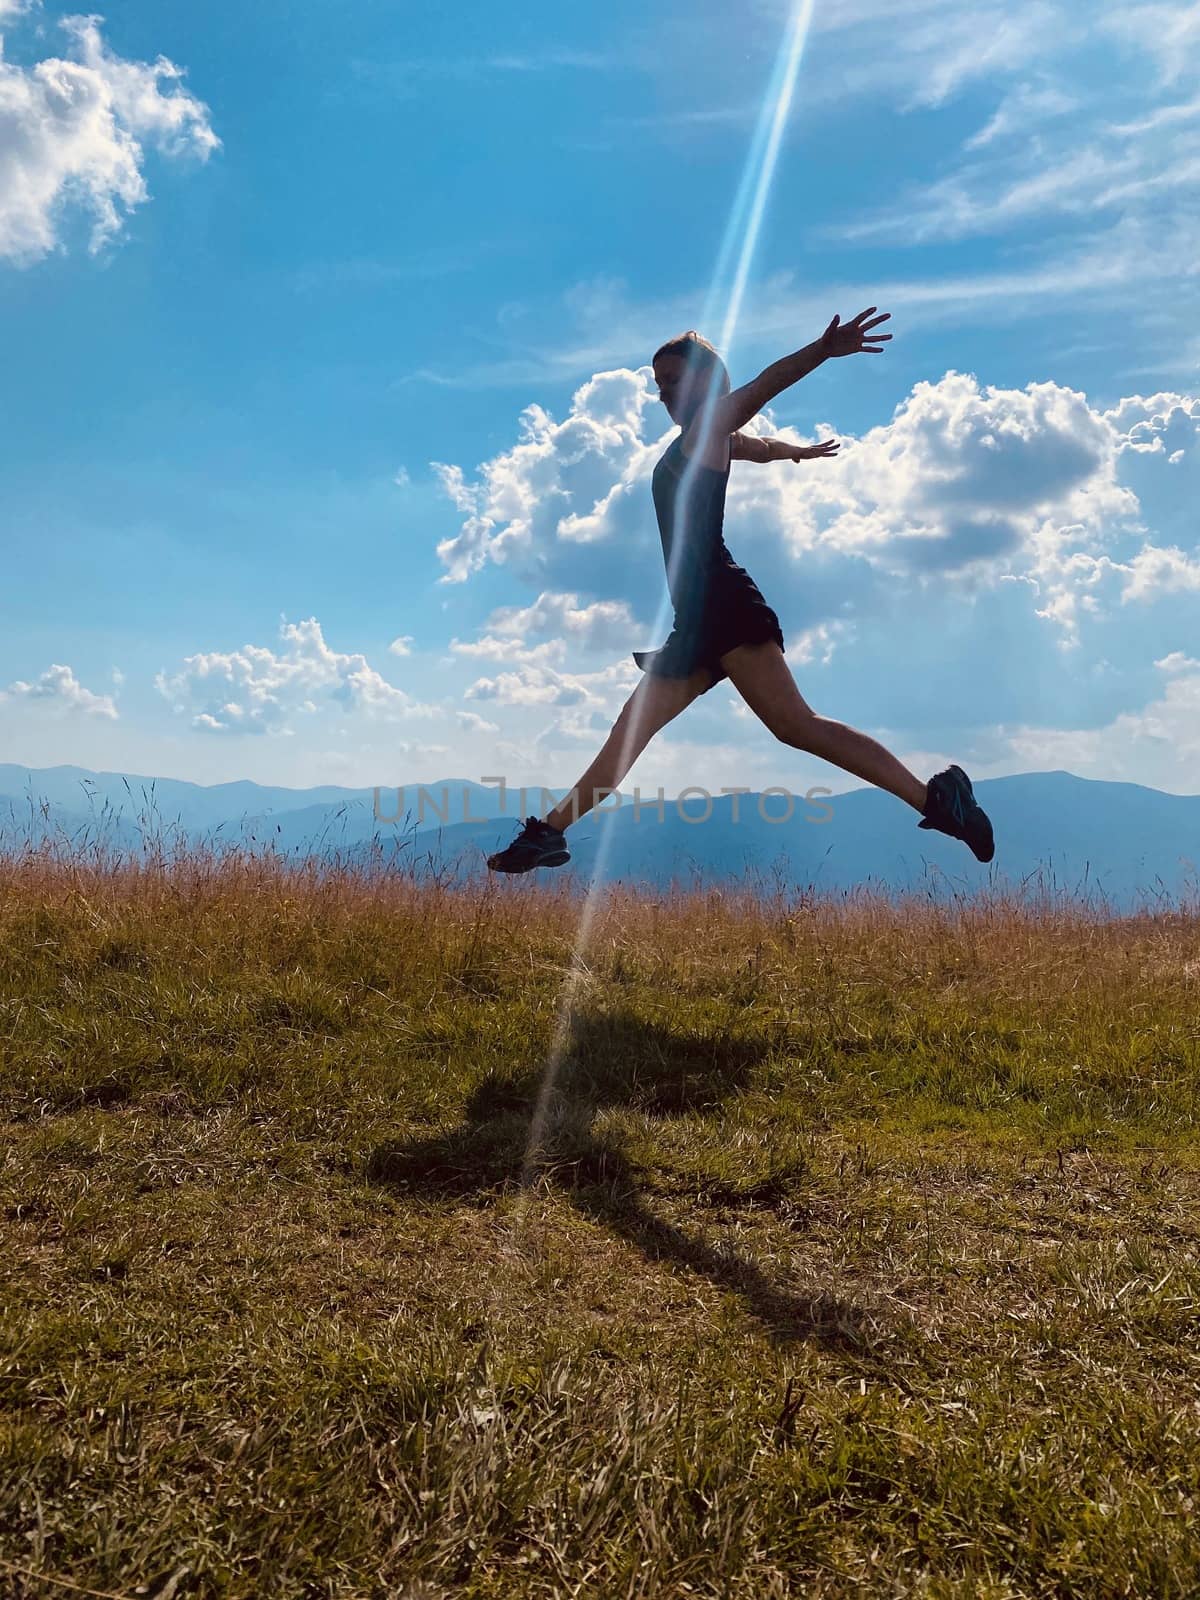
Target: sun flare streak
column 735, row 256
column 759, row 175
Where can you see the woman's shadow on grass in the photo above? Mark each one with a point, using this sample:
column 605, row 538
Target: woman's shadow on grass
column 513, row 1130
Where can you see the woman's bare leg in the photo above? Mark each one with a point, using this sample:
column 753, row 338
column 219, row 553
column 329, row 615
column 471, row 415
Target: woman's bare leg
column 762, row 677
column 650, row 707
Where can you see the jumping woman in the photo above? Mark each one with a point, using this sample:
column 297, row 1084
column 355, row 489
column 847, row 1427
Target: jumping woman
column 723, row 626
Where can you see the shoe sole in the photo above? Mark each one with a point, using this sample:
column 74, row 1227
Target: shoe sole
column 555, row 860
column 987, row 851
column 981, row 852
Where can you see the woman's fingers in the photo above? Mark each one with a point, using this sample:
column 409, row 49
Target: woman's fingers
column 863, row 328
column 861, row 319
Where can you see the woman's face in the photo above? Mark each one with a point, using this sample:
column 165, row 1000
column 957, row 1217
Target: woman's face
column 681, row 388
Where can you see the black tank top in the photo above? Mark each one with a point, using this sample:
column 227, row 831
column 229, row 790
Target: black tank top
column 689, row 501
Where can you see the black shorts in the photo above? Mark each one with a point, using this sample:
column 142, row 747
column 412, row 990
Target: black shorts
column 735, row 613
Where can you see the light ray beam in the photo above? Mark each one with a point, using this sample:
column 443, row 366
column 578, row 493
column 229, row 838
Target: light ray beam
column 737, row 245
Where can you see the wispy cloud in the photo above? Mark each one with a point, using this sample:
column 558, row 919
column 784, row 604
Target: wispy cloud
column 1168, row 32
column 411, row 75
column 549, row 60
column 923, row 53
column 1056, row 149
column 1163, row 117
column 613, row 131
column 421, row 263
column 1094, row 270
column 1022, row 108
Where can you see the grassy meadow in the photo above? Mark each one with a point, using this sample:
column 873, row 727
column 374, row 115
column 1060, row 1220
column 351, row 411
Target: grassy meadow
column 371, row 1238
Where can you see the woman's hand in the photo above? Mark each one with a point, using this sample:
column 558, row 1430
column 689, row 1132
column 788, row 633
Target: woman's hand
column 814, row 452
column 852, row 338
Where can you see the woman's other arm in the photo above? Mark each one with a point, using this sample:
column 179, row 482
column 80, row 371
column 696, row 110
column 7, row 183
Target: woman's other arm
column 750, row 447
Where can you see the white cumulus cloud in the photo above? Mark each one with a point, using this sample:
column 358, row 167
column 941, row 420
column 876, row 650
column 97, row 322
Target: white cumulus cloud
column 567, row 708
column 560, row 483
column 530, row 686
column 259, row 690
column 555, row 624
column 965, row 486
column 1154, row 571
column 59, row 686
column 1157, row 424
column 73, row 132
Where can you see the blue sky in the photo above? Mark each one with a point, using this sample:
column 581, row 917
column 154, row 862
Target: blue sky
column 327, row 430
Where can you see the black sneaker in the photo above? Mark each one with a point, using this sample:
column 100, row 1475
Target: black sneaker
column 536, row 845
column 951, row 807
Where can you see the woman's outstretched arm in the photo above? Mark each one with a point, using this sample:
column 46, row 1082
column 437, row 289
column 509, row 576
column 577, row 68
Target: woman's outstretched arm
column 754, row 447
column 733, row 411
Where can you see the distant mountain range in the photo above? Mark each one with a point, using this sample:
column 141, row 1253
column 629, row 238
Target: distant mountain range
column 1117, row 842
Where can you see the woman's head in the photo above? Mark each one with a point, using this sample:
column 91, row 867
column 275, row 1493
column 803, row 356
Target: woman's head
column 686, row 369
